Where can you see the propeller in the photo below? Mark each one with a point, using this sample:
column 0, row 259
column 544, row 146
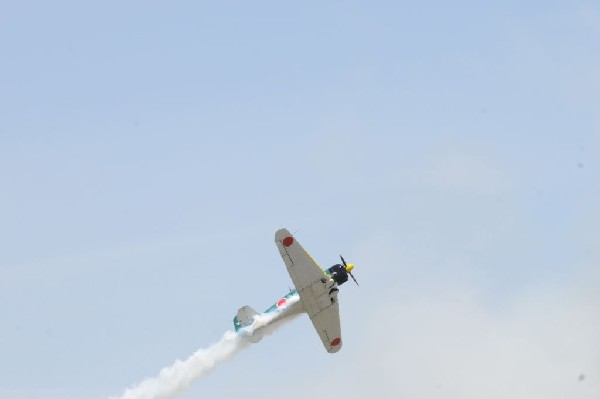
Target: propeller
column 349, row 272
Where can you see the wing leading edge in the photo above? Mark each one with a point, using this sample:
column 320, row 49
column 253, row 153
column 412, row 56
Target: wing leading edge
column 318, row 293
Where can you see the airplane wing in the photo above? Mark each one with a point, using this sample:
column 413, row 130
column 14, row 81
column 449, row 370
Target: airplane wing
column 314, row 288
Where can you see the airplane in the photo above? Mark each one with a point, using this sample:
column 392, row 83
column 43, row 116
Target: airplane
column 316, row 293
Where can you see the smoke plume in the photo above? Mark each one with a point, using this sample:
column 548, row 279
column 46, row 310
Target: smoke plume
column 176, row 378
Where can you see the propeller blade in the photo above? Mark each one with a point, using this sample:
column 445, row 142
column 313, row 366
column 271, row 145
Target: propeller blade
column 343, row 261
column 351, row 275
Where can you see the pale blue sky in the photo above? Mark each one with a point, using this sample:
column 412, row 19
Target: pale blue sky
column 149, row 151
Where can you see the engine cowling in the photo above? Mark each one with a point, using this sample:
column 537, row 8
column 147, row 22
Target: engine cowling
column 339, row 274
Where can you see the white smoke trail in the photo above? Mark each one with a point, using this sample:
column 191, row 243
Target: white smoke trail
column 177, row 378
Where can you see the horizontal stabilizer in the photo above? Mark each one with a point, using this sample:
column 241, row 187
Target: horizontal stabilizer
column 245, row 317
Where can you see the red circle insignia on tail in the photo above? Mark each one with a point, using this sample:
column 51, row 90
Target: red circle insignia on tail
column 287, row 241
column 336, row 342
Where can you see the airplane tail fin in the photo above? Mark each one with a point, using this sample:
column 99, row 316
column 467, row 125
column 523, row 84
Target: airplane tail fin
column 245, row 317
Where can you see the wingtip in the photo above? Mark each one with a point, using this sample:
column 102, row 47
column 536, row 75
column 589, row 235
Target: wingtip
column 281, row 234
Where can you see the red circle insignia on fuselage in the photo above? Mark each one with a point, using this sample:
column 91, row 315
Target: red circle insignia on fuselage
column 336, row 342
column 287, row 241
column 282, row 302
